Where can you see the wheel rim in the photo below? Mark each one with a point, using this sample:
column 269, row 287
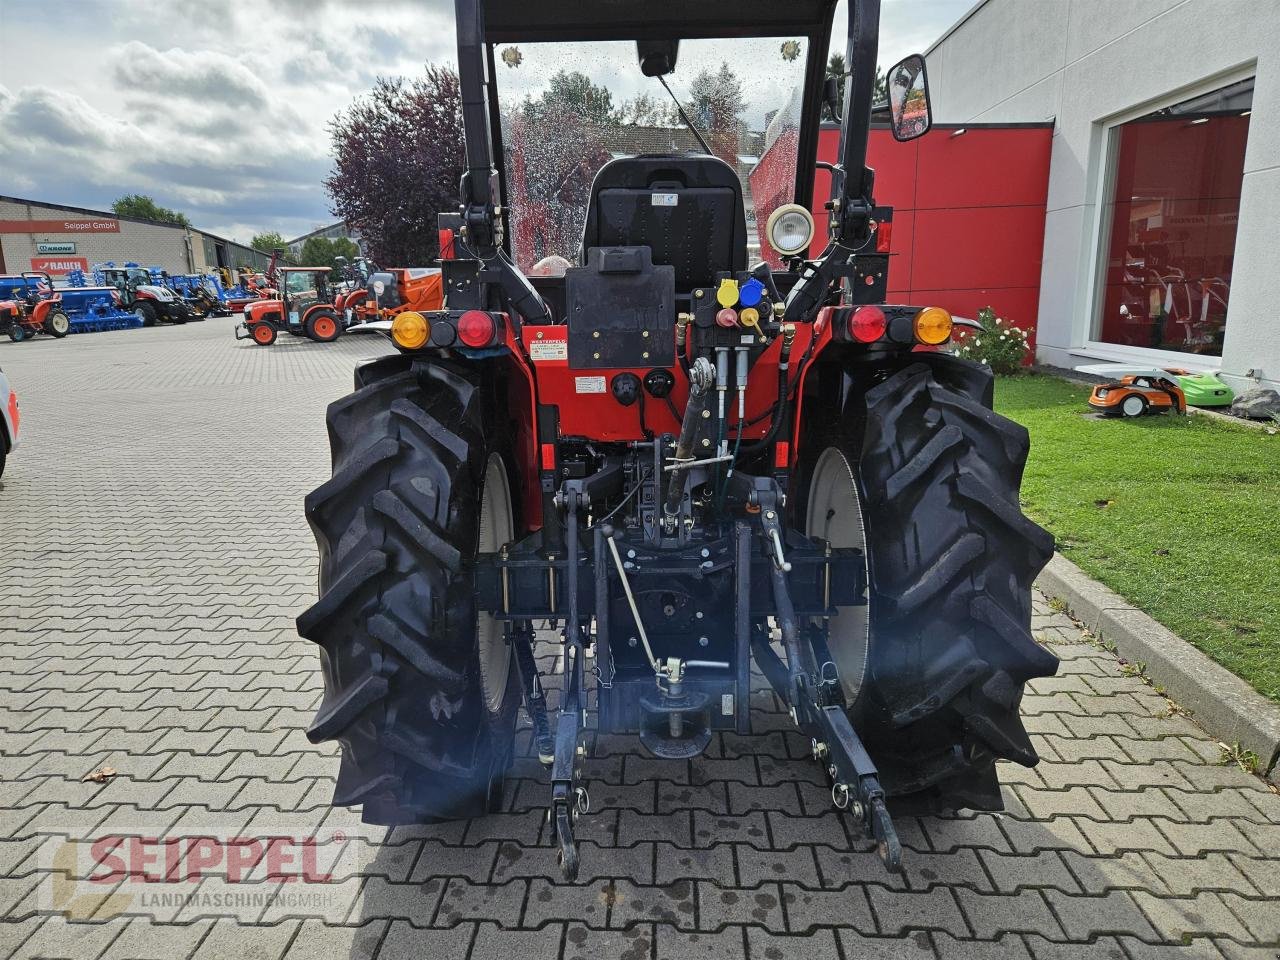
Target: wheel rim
column 60, row 323
column 325, row 327
column 1132, row 406
column 141, row 314
column 496, row 528
column 262, row 333
column 835, row 515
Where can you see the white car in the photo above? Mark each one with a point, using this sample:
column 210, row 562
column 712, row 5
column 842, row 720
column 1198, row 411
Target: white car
column 8, row 420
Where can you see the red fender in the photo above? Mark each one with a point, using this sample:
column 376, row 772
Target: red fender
column 822, row 334
column 41, row 311
column 522, row 401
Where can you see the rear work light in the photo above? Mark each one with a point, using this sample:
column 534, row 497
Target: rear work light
column 410, row 330
column 867, row 324
column 476, row 329
column 933, row 326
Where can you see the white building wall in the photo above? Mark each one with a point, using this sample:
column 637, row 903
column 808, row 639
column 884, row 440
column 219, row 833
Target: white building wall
column 1088, row 63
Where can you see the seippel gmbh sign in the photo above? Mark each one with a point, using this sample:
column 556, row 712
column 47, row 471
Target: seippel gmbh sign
column 60, row 226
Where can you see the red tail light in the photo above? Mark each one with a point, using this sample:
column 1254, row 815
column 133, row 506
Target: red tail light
column 867, row 324
column 884, row 238
column 476, row 329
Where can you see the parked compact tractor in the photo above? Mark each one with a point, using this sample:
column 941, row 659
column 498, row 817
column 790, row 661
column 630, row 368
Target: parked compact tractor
column 304, row 307
column 686, row 464
column 388, row 293
column 142, row 296
column 29, row 306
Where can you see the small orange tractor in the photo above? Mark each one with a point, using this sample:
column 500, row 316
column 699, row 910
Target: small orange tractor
column 304, row 307
column 31, row 307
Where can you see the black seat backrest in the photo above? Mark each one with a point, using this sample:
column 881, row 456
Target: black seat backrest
column 688, row 210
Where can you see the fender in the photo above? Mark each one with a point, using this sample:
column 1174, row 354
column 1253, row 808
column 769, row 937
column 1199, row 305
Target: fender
column 349, row 301
column 42, row 309
column 522, row 401
column 312, row 310
column 821, row 340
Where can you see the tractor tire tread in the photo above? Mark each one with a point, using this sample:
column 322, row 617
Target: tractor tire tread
column 395, row 620
column 952, row 560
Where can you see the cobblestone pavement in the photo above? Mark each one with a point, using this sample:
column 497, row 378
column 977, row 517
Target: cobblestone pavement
column 152, row 557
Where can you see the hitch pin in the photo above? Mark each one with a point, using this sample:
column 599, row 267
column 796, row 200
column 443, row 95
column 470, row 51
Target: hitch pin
column 686, row 464
column 779, row 558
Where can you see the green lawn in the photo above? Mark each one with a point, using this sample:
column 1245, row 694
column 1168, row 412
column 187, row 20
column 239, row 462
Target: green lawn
column 1180, row 515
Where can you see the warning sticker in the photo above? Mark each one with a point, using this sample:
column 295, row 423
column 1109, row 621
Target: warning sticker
column 664, row 199
column 549, row 350
column 589, row 384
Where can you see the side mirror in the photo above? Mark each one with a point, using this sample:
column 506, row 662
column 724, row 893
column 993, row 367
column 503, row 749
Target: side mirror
column 909, row 99
column 831, row 97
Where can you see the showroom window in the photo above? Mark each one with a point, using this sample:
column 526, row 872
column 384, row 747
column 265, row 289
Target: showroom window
column 1169, row 223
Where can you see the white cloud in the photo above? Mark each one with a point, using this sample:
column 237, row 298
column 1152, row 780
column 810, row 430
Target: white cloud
column 220, row 107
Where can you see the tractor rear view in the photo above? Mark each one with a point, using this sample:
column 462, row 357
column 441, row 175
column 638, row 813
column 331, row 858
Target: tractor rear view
column 685, row 462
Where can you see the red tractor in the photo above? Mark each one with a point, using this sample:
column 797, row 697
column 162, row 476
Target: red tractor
column 688, row 464
column 303, row 307
column 29, row 306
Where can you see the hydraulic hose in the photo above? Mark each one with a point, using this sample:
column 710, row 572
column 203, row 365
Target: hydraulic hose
column 702, row 377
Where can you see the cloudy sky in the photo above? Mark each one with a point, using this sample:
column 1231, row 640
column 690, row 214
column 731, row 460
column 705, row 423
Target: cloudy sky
column 219, row 107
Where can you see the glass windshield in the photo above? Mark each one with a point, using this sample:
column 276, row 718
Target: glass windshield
column 301, row 286
column 567, row 109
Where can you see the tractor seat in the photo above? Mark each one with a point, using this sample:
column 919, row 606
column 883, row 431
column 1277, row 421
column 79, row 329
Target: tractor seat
column 687, row 209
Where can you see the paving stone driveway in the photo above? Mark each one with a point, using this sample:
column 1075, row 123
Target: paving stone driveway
column 152, row 558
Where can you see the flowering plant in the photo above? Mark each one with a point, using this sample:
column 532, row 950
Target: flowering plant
column 999, row 344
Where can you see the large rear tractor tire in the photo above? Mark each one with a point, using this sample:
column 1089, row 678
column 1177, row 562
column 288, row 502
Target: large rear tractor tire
column 146, row 313
column 323, row 326
column 922, row 475
column 419, row 687
column 57, row 324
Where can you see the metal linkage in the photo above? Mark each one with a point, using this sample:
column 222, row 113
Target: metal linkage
column 568, row 797
column 535, row 700
column 817, row 707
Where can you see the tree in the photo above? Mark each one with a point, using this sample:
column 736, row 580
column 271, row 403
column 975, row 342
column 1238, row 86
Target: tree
column 643, row 110
column 554, row 145
column 716, row 107
column 321, row 252
column 574, row 93
column 145, row 208
column 398, row 158
column 266, row 242
column 836, row 68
